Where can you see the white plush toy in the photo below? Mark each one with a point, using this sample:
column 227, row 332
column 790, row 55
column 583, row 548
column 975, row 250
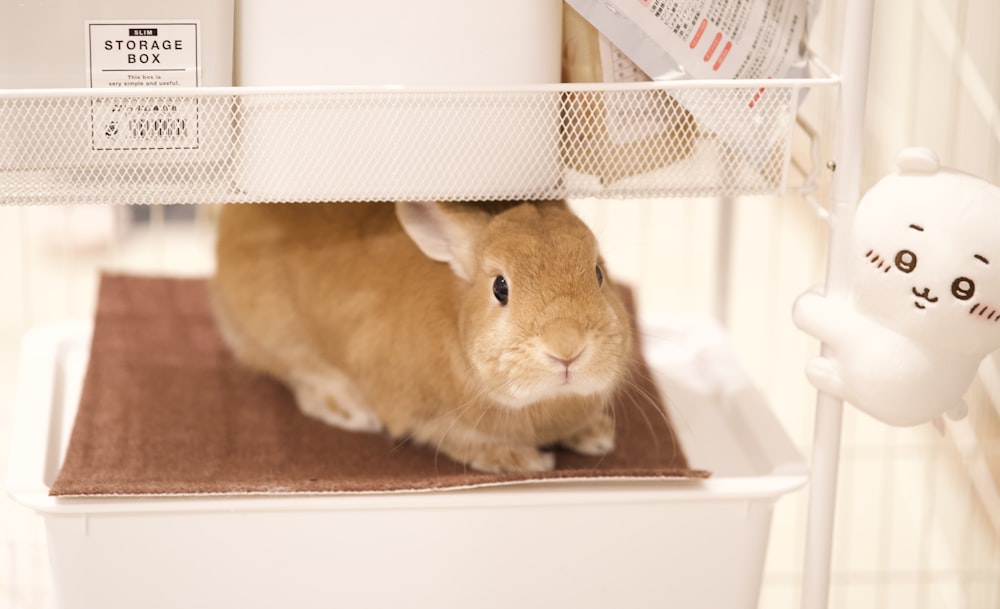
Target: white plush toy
column 923, row 306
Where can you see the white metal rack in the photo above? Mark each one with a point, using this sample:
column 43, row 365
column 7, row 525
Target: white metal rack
column 545, row 141
column 285, row 144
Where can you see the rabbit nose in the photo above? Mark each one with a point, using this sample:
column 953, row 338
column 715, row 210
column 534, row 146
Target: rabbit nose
column 563, row 341
column 565, row 362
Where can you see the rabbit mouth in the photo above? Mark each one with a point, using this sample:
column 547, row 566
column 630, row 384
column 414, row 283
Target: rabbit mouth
column 568, row 381
column 572, row 381
column 553, row 386
column 566, row 370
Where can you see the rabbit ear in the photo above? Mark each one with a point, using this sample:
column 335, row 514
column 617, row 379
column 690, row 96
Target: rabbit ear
column 446, row 235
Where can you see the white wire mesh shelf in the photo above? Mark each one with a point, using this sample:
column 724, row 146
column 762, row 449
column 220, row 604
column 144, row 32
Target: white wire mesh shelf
column 214, row 145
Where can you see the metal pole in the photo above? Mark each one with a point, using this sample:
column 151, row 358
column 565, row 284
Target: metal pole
column 723, row 265
column 845, row 193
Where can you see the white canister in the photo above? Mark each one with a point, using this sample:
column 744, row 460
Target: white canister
column 442, row 146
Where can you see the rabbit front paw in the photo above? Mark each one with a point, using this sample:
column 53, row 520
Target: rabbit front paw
column 596, row 440
column 336, row 402
column 500, row 458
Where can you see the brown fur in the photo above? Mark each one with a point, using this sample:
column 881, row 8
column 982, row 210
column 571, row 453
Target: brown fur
column 342, row 296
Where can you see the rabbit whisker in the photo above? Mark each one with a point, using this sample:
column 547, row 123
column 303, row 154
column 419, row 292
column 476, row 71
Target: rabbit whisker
column 638, row 393
column 461, row 411
column 661, row 409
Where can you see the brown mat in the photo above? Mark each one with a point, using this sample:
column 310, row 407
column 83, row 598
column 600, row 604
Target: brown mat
column 166, row 410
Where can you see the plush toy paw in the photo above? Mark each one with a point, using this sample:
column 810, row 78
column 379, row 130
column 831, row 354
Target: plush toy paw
column 823, row 375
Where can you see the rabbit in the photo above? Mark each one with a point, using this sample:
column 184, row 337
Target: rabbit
column 488, row 331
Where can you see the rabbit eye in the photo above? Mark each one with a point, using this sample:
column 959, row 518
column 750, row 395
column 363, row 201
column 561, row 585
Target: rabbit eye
column 600, row 275
column 500, row 289
column 906, row 261
column 963, row 288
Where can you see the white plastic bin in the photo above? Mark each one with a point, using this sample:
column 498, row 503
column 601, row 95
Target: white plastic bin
column 599, row 544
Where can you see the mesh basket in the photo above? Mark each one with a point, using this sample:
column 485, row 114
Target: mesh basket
column 281, row 145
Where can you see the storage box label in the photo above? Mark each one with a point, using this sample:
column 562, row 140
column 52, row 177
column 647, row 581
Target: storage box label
column 141, row 57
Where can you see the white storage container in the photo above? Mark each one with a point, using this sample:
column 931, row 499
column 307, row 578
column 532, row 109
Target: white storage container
column 116, row 45
column 489, row 147
column 585, row 543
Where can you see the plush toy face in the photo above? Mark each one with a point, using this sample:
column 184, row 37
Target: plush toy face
column 927, row 258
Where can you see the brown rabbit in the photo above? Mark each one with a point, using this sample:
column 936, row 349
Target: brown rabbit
column 486, row 330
